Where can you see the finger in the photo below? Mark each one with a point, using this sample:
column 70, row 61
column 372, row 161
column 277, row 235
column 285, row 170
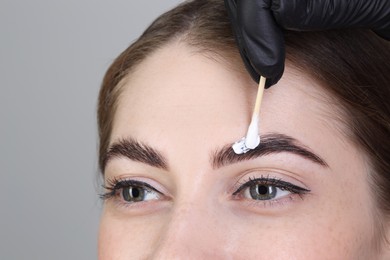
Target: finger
column 262, row 38
column 332, row 14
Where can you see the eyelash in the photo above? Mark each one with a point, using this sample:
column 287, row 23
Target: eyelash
column 115, row 186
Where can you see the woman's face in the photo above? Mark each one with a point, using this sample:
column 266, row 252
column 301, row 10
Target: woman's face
column 177, row 190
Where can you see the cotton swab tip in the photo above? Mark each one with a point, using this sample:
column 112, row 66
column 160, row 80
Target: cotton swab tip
column 252, row 139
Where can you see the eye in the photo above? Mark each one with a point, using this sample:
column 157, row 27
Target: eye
column 130, row 191
column 264, row 192
column 268, row 189
column 138, row 193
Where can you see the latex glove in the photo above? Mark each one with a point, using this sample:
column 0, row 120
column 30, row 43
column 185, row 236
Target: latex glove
column 259, row 25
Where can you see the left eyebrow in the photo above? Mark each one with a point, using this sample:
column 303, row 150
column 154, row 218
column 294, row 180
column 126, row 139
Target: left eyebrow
column 270, row 144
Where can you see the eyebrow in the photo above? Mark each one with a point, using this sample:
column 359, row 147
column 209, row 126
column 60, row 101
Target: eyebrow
column 136, row 151
column 270, row 144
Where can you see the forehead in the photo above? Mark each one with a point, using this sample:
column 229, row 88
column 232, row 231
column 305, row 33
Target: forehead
column 178, row 99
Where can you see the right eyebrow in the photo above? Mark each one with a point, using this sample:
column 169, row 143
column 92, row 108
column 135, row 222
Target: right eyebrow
column 132, row 149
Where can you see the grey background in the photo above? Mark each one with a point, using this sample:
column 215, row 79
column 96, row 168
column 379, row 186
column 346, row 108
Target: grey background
column 53, row 55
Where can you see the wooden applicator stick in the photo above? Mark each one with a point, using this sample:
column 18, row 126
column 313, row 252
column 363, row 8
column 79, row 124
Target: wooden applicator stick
column 252, row 139
column 259, row 98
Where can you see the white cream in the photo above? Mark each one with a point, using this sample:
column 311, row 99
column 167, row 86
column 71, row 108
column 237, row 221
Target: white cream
column 252, row 139
column 239, row 147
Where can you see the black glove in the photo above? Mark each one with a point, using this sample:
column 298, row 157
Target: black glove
column 259, row 24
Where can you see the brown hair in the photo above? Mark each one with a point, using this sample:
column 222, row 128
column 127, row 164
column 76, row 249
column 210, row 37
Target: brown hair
column 353, row 65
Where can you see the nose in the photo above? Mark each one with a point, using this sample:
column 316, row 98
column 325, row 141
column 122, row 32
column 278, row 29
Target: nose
column 193, row 232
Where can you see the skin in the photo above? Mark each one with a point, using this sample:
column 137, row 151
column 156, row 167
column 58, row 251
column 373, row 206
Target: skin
column 186, row 106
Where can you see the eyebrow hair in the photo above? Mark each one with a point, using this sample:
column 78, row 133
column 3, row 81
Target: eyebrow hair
column 270, row 144
column 136, row 151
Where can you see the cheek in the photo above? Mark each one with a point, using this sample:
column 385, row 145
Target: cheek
column 340, row 226
column 128, row 237
column 307, row 238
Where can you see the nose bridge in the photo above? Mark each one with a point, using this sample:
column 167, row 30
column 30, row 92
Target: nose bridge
column 191, row 233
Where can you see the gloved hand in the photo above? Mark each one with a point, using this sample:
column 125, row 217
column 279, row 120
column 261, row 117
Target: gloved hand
column 259, row 25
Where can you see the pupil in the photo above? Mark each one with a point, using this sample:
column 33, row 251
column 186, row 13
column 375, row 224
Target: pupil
column 134, row 192
column 263, row 190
